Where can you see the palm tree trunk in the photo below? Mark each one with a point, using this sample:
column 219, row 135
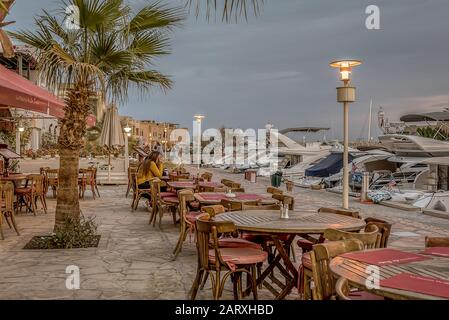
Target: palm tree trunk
column 71, row 141
column 67, row 197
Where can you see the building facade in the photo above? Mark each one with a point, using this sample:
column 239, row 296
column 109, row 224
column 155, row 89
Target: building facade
column 149, row 132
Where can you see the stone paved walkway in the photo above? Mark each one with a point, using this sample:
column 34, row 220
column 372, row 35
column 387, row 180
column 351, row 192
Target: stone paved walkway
column 134, row 260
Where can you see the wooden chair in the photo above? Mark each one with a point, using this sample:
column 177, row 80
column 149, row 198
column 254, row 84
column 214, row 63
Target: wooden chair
column 52, row 177
column 86, row 178
column 132, row 169
column 213, row 210
column 320, row 256
column 306, row 245
column 370, row 239
column 231, row 184
column 7, row 206
column 43, row 171
column 214, row 260
column 274, row 190
column 179, row 177
column 138, row 193
column 232, row 205
column 344, row 292
column 94, row 173
column 160, row 204
column 261, row 207
column 384, row 230
column 285, row 200
column 31, row 192
column 437, row 242
column 349, row 213
column 207, row 176
column 187, row 218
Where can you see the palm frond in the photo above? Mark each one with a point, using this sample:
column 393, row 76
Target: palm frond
column 230, row 9
column 111, row 51
column 156, row 15
column 94, row 13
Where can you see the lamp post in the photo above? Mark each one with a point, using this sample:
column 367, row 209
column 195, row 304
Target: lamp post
column 199, row 118
column 20, row 129
column 127, row 130
column 165, row 142
column 345, row 95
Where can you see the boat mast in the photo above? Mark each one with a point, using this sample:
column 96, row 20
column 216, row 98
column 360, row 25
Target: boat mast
column 369, row 120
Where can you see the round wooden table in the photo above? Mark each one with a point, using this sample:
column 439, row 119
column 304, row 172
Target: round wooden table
column 14, row 178
column 283, row 232
column 211, row 198
column 181, row 185
column 354, row 271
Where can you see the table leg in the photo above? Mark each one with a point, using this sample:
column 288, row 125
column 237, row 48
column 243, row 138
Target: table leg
column 288, row 270
column 280, row 247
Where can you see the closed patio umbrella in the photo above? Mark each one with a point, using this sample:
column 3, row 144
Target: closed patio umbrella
column 112, row 134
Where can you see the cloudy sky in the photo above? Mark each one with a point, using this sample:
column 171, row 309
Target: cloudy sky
column 274, row 68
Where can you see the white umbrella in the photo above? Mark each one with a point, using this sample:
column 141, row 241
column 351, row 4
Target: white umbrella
column 112, row 134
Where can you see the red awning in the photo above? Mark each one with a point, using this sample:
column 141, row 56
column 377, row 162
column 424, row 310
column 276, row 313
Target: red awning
column 18, row 92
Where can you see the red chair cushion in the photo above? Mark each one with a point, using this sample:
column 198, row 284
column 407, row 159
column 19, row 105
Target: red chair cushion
column 261, row 238
column 192, row 215
column 364, row 295
column 306, row 261
column 239, row 256
column 305, row 245
column 168, row 194
column 194, row 204
column 174, row 200
column 22, row 190
column 256, row 238
column 237, row 243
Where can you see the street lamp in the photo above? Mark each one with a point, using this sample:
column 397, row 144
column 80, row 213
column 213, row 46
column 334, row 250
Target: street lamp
column 345, row 95
column 20, row 130
column 127, row 130
column 198, row 118
column 165, row 142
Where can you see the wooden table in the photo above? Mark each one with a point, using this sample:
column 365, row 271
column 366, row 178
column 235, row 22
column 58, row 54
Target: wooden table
column 354, row 271
column 14, row 178
column 268, row 222
column 210, row 184
column 218, row 196
column 181, row 184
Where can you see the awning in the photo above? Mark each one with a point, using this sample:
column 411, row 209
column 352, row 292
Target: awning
column 18, row 92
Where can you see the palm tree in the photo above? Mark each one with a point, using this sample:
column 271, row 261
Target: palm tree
column 107, row 48
column 5, row 42
column 230, row 8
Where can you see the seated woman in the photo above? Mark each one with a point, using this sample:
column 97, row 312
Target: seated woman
column 151, row 167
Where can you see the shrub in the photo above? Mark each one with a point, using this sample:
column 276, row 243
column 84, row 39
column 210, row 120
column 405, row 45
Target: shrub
column 75, row 233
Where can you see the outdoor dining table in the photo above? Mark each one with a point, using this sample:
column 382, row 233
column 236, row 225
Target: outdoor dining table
column 283, row 232
column 181, row 184
column 15, row 178
column 402, row 274
column 192, row 184
column 211, row 198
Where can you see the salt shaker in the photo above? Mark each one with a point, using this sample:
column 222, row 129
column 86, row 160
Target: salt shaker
column 286, row 211
column 281, row 212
